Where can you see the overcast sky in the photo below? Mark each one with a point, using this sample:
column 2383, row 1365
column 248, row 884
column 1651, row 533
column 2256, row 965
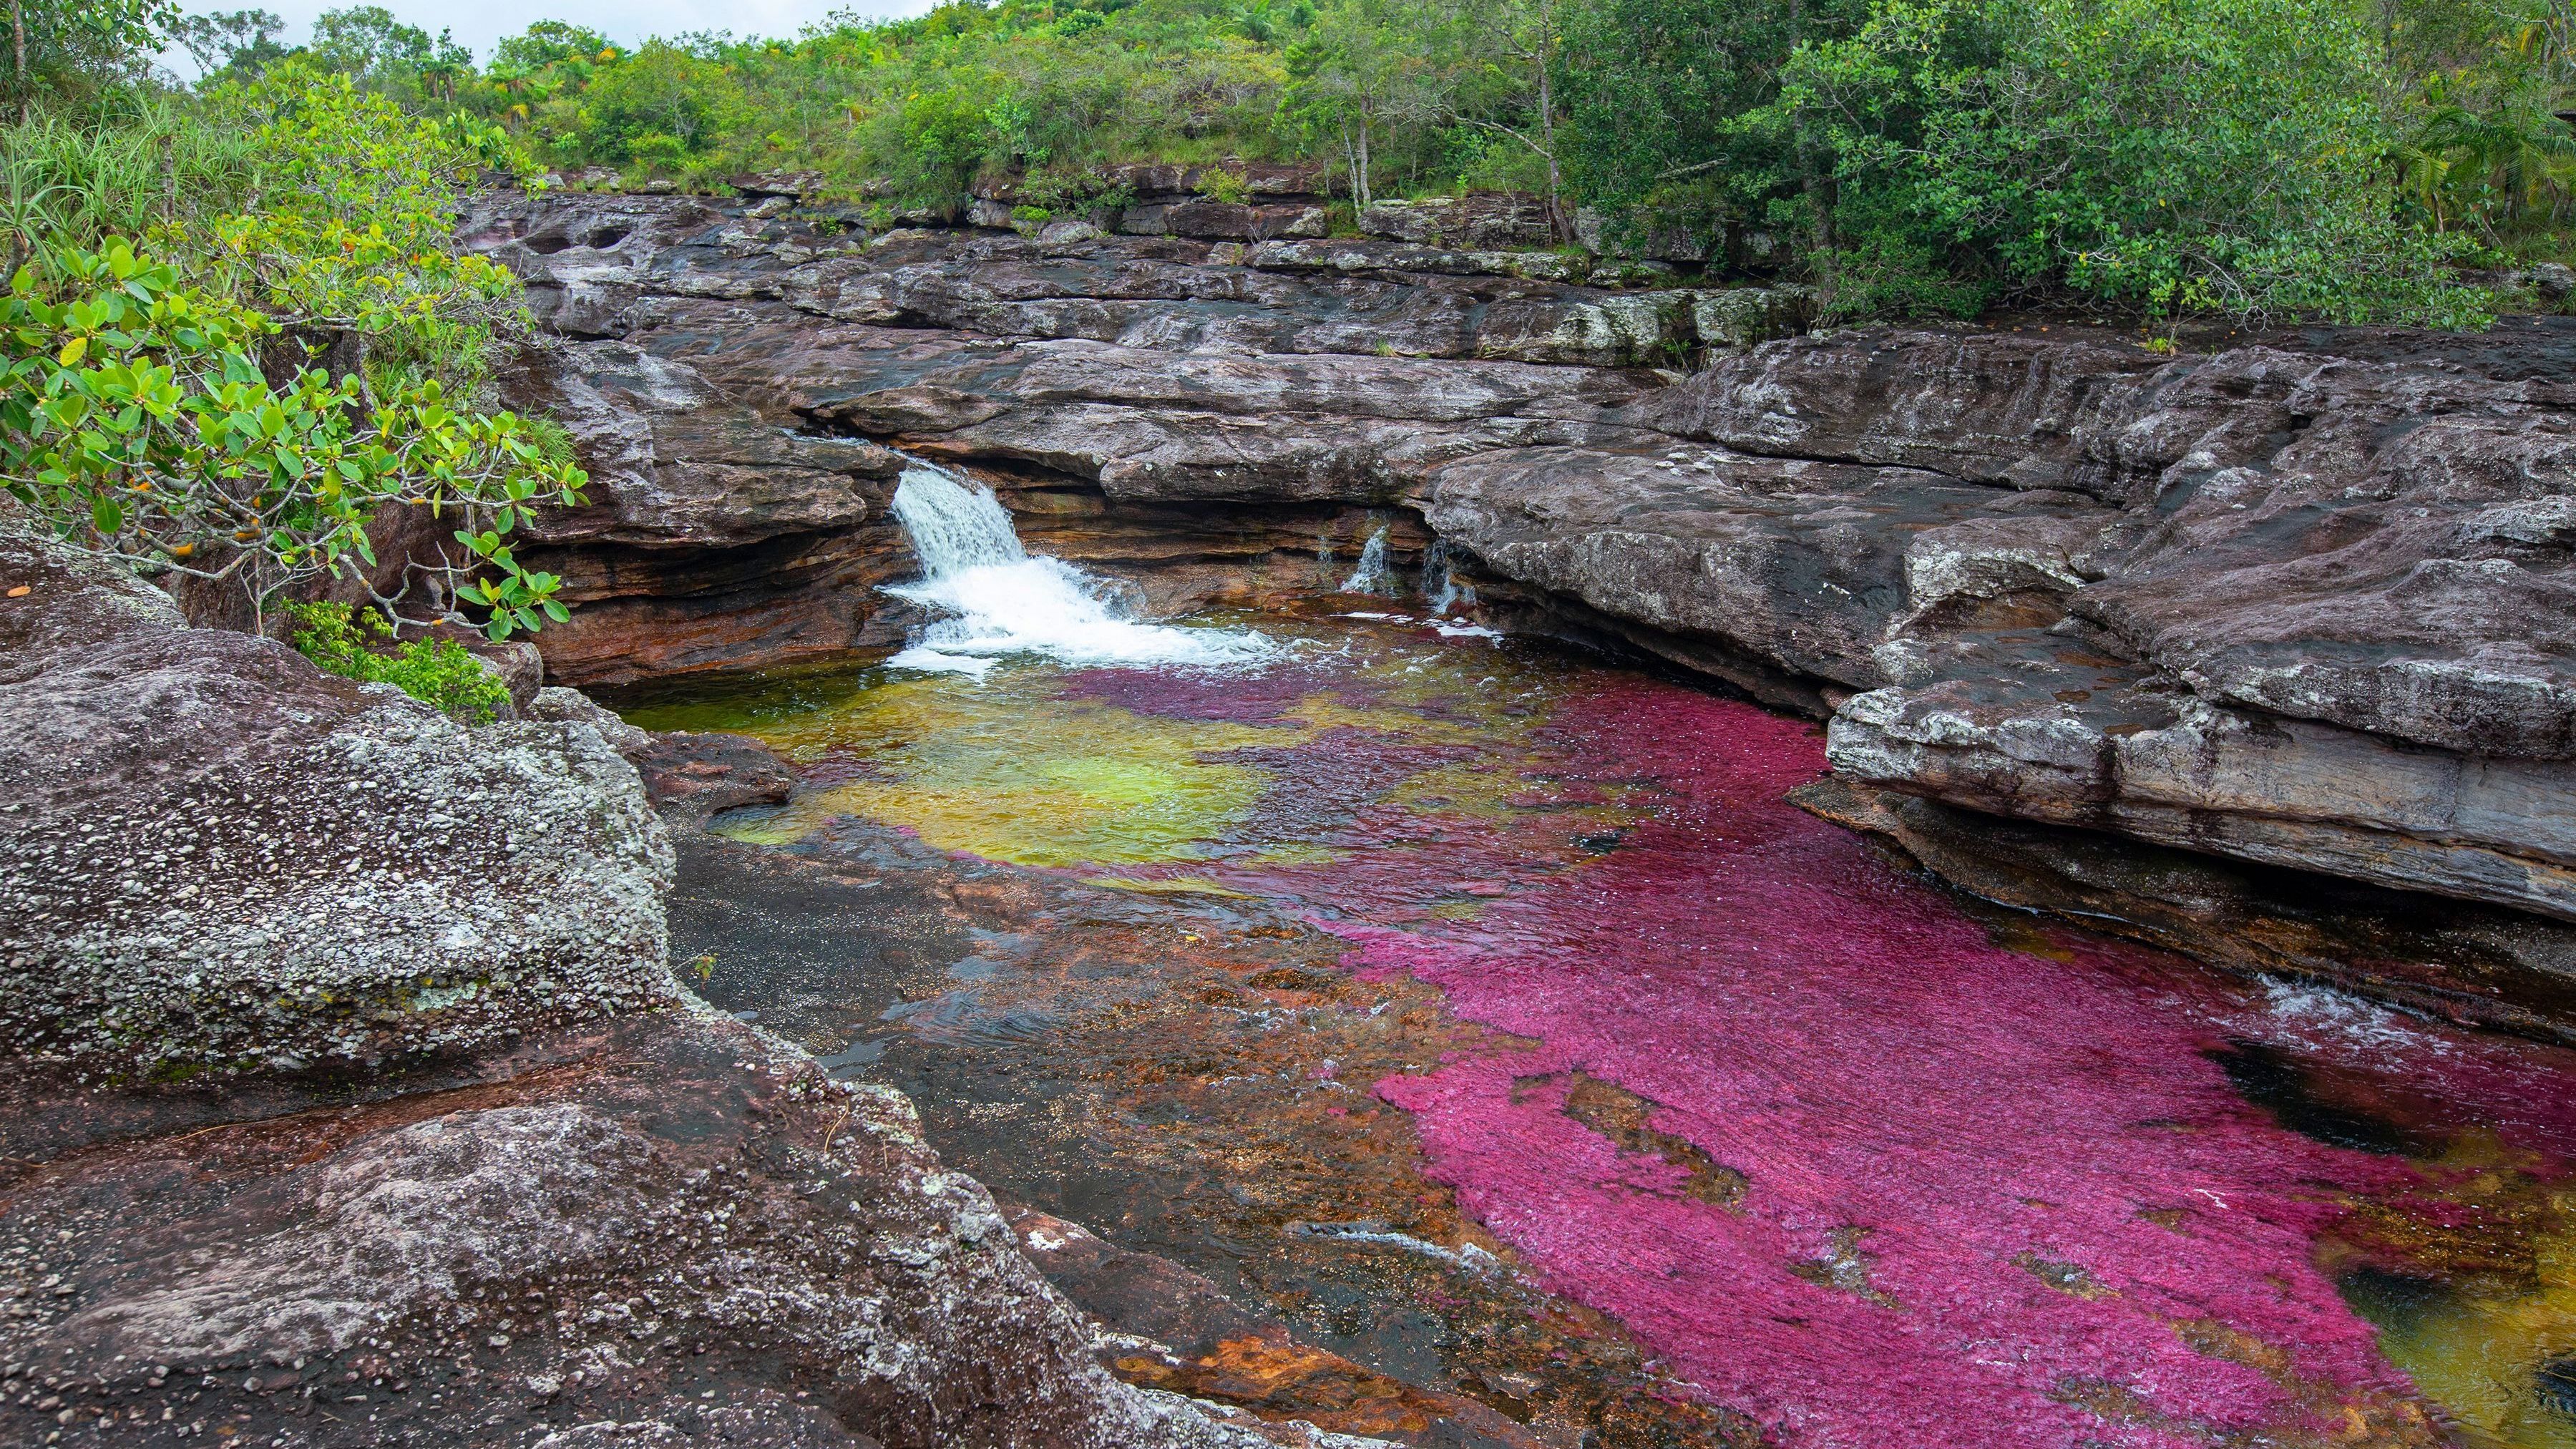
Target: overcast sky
column 478, row 23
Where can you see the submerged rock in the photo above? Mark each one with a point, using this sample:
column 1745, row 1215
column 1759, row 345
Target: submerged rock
column 692, row 776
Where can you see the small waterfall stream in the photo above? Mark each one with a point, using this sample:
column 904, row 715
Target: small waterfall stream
column 1372, row 575
column 996, row 599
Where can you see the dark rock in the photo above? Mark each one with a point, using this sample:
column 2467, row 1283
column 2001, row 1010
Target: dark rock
column 667, row 1229
column 2473, row 964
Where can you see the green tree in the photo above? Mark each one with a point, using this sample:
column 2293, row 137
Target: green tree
column 2173, row 155
column 660, row 107
column 72, row 47
column 231, row 44
column 1351, row 85
column 1657, row 92
column 162, row 403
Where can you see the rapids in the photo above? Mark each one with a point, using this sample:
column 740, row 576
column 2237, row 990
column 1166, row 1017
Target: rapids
column 1263, row 943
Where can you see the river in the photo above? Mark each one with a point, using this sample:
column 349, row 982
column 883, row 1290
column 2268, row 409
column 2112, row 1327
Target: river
column 1489, row 1018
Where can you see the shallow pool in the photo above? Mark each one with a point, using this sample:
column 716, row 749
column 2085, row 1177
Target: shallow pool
column 1846, row 1161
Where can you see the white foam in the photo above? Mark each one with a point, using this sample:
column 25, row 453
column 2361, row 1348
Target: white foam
column 1372, row 576
column 996, row 600
column 2326, row 1018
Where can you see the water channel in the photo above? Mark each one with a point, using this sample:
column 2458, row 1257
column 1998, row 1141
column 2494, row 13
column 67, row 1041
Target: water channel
column 1488, row 1018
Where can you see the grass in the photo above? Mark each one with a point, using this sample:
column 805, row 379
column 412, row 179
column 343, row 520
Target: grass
column 157, row 161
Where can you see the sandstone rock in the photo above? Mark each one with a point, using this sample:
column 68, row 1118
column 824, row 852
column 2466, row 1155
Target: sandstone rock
column 690, row 776
column 2046, row 727
column 680, row 476
column 669, row 1229
column 2478, row 965
column 1167, row 179
column 1222, row 221
column 1489, row 221
column 1803, row 566
column 1733, row 319
column 1356, row 255
column 571, row 706
column 778, row 183
column 169, row 903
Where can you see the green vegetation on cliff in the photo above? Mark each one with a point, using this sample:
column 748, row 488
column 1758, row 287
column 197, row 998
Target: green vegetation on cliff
column 2266, row 159
column 236, row 333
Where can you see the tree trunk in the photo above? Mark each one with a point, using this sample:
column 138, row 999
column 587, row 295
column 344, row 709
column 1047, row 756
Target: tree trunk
column 18, row 34
column 1363, row 197
column 1557, row 220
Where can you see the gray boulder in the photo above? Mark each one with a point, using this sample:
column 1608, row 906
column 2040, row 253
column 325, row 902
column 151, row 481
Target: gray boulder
column 213, row 855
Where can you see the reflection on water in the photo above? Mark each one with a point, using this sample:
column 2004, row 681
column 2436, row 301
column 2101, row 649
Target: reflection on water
column 1856, row 1165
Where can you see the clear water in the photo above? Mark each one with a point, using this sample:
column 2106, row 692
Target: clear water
column 1852, row 1163
column 1901, row 1181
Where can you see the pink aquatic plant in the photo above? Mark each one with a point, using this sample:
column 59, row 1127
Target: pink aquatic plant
column 1989, row 1198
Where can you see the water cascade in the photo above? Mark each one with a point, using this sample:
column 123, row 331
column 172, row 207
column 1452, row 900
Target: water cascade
column 1372, row 576
column 996, row 599
column 1440, row 586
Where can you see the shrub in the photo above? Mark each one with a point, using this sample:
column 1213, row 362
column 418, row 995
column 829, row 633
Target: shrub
column 439, row 672
column 2165, row 155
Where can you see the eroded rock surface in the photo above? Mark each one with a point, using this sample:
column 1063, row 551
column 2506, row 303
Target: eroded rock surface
column 669, row 1229
column 719, row 367
column 214, row 855
column 2301, row 600
column 2302, row 610
column 347, row 1096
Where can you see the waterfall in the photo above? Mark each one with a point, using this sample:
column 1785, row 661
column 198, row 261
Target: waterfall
column 995, row 599
column 952, row 527
column 1371, row 577
column 1440, row 584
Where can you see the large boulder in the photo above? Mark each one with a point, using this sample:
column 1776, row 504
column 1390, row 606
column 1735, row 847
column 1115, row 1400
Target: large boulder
column 667, row 1230
column 214, row 856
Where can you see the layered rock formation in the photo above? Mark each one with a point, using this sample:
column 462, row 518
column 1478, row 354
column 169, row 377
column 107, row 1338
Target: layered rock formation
column 2298, row 602
column 350, row 1098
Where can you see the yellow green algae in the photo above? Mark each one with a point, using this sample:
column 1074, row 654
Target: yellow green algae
column 1028, row 766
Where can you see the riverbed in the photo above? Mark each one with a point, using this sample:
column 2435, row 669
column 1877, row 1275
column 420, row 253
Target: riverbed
column 1492, row 1020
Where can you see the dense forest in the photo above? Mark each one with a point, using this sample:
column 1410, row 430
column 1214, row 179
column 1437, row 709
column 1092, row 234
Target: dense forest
column 2267, row 158
column 237, row 324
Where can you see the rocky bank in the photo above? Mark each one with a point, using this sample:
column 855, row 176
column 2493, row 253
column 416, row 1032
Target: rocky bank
column 351, row 1099
column 2261, row 645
